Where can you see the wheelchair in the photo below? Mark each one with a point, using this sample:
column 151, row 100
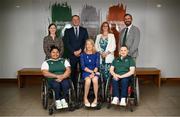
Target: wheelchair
column 48, row 97
column 133, row 93
column 80, row 92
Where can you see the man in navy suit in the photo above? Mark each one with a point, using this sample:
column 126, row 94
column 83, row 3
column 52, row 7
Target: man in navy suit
column 75, row 38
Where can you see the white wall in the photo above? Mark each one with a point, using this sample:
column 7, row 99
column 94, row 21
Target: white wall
column 160, row 44
column 22, row 31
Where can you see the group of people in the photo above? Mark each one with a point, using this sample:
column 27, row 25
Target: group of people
column 93, row 59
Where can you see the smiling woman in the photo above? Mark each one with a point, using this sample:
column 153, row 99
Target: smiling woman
column 90, row 66
column 52, row 40
column 57, row 70
column 106, row 45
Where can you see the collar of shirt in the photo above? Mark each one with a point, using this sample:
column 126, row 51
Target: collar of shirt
column 76, row 27
column 123, row 58
column 55, row 59
column 120, row 58
column 51, row 38
column 129, row 27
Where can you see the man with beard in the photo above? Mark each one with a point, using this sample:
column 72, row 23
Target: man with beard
column 130, row 36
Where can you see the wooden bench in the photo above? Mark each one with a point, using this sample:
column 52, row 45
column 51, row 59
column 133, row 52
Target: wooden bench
column 21, row 75
column 154, row 72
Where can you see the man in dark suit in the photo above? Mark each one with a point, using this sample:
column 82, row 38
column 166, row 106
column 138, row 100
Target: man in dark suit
column 75, row 38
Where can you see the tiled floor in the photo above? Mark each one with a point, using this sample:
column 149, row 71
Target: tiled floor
column 154, row 101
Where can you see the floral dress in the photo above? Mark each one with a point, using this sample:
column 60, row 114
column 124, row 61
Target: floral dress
column 104, row 67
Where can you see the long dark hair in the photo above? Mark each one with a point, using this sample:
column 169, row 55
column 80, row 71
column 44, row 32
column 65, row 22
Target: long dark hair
column 52, row 24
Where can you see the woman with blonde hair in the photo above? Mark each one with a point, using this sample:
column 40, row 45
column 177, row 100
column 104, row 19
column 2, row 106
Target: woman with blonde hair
column 90, row 61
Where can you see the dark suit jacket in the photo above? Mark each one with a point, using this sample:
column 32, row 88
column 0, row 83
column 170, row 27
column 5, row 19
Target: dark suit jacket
column 73, row 43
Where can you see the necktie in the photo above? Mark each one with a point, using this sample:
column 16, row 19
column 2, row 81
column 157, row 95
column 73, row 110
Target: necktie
column 76, row 32
column 125, row 35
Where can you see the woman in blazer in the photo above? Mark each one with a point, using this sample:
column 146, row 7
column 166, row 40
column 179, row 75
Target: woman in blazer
column 52, row 39
column 105, row 45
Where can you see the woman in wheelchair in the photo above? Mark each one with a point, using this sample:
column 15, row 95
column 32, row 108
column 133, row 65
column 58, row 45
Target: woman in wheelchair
column 122, row 70
column 57, row 70
column 90, row 61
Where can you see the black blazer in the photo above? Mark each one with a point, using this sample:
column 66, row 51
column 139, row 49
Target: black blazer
column 72, row 42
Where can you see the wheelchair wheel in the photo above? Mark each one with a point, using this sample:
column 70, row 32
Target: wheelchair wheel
column 80, row 91
column 79, row 87
column 71, row 106
column 108, row 90
column 51, row 101
column 102, row 83
column 79, row 95
column 108, row 93
column 44, row 94
column 101, row 91
column 51, row 111
column 71, row 98
column 137, row 99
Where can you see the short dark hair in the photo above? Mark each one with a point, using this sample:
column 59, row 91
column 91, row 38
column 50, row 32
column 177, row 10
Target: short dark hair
column 127, row 14
column 54, row 47
column 75, row 16
column 124, row 46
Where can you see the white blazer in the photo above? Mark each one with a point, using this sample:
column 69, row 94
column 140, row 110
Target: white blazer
column 111, row 46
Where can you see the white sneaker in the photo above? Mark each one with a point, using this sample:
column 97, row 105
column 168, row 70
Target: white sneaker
column 64, row 103
column 123, row 102
column 58, row 104
column 115, row 100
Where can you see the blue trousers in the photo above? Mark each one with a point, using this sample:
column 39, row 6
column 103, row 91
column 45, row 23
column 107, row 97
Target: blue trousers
column 124, row 87
column 60, row 88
